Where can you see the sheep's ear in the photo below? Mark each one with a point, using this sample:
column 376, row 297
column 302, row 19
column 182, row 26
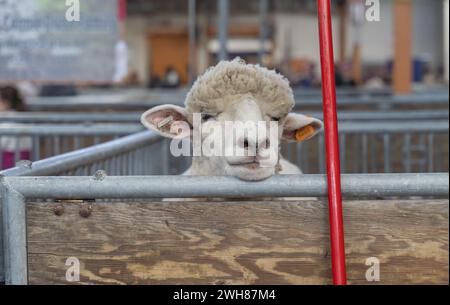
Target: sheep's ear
column 168, row 120
column 298, row 127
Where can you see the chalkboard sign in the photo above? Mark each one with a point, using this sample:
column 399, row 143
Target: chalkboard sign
column 58, row 40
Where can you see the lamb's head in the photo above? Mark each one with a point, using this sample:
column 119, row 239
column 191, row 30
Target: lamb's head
column 239, row 112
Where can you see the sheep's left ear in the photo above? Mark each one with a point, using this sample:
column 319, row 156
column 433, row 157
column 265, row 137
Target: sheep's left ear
column 298, row 127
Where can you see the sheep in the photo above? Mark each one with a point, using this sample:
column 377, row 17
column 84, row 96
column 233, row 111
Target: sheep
column 233, row 91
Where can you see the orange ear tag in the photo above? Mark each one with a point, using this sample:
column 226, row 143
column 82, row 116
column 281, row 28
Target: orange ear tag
column 304, row 133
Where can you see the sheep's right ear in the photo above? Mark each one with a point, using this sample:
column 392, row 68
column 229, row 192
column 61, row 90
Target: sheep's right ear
column 168, row 120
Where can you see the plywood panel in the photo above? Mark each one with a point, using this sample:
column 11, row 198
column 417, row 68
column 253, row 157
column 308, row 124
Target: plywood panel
column 282, row 242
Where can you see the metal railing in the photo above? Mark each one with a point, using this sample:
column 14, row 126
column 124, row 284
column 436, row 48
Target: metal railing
column 379, row 146
column 140, row 153
column 46, row 140
column 366, row 147
column 133, row 117
column 16, row 190
column 90, row 103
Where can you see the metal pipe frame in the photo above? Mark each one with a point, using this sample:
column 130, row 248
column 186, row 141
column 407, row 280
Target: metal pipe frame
column 336, row 220
column 69, row 117
column 392, row 127
column 263, row 28
column 78, row 158
column 69, row 129
column 40, row 104
column 382, row 126
column 117, row 95
column 192, row 39
column 133, row 117
column 222, row 28
column 16, row 190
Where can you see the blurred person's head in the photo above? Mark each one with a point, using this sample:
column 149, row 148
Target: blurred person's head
column 11, row 99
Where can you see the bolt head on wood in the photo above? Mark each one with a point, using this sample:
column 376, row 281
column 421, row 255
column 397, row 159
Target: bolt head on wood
column 59, row 210
column 85, row 212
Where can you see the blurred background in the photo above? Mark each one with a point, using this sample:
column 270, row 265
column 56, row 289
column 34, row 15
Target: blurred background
column 283, row 35
column 78, row 76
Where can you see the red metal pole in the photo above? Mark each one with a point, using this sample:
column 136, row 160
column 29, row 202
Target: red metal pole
column 332, row 144
column 122, row 10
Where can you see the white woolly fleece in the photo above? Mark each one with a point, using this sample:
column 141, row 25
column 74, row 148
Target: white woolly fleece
column 231, row 81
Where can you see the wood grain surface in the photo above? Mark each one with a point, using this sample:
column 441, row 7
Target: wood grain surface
column 283, row 242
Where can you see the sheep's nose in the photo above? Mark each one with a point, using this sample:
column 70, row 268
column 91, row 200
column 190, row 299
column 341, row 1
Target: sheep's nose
column 247, row 143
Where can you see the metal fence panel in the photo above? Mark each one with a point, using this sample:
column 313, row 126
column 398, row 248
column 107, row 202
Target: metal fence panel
column 134, row 117
column 15, row 190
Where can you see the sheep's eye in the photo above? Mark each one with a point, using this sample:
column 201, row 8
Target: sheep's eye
column 206, row 116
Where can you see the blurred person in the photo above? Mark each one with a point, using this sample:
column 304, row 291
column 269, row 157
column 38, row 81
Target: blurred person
column 11, row 100
column 28, row 89
column 121, row 61
column 171, row 78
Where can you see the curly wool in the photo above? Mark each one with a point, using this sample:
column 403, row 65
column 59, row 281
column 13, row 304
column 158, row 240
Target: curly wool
column 231, row 81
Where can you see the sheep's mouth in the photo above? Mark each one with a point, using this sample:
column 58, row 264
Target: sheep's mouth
column 249, row 165
column 251, row 171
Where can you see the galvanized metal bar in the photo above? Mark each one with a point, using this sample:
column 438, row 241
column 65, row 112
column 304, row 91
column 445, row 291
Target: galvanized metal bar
column 129, row 163
column 365, row 153
column 293, row 152
column 116, row 166
column 222, row 26
column 56, row 145
column 133, row 117
column 17, row 150
column 342, row 148
column 65, row 144
column 380, row 127
column 138, row 162
column 77, row 142
column 304, row 156
column 387, row 153
column 1, row 154
column 381, row 103
column 407, row 152
column 14, row 235
column 47, row 146
column 36, row 148
column 430, row 152
column 150, row 165
column 263, row 29
column 321, row 149
column 124, row 168
column 165, row 157
column 373, row 153
column 419, row 151
column 83, row 102
column 192, row 38
column 354, row 185
column 69, row 117
column 70, row 129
